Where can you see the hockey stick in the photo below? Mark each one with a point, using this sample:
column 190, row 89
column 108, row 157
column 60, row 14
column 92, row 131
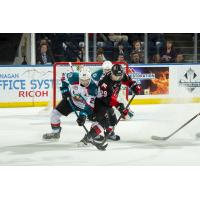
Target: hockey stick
column 99, row 146
column 167, row 137
column 70, row 64
column 127, row 106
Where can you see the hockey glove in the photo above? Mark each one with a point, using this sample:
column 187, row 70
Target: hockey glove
column 92, row 117
column 136, row 88
column 65, row 94
column 65, row 90
column 81, row 119
column 122, row 110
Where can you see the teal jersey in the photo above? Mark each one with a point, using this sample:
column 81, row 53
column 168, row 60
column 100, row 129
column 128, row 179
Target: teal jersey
column 82, row 97
column 96, row 76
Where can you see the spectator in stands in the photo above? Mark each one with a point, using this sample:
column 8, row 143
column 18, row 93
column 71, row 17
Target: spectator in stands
column 117, row 37
column 135, row 36
column 44, row 57
column 135, row 57
column 121, row 58
column 155, row 43
column 180, row 58
column 100, row 58
column 81, row 54
column 137, row 47
column 120, row 50
column 44, row 41
column 100, row 55
column 156, row 58
column 168, row 53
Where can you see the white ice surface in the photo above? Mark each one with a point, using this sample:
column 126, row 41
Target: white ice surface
column 21, row 131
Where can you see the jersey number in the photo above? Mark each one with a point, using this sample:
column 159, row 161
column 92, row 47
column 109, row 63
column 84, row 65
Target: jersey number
column 104, row 93
column 92, row 100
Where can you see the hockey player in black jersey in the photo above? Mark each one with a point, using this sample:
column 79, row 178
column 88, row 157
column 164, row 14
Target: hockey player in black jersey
column 108, row 89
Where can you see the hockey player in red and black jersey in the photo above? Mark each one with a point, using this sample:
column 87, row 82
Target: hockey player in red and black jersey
column 108, row 89
column 97, row 75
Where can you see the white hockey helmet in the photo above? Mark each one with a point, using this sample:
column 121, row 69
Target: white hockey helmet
column 107, row 65
column 85, row 76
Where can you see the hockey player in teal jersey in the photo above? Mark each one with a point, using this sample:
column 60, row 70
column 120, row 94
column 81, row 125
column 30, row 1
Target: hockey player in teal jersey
column 106, row 67
column 82, row 91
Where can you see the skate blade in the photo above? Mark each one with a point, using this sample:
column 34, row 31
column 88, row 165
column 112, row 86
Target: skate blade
column 51, row 140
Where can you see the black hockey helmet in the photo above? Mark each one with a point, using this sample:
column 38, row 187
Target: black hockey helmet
column 117, row 70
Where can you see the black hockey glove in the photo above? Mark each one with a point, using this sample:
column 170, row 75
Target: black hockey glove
column 65, row 90
column 81, row 119
column 92, row 117
column 65, row 93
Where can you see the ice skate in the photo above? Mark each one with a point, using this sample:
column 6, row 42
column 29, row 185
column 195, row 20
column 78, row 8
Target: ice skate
column 86, row 139
column 55, row 134
column 113, row 136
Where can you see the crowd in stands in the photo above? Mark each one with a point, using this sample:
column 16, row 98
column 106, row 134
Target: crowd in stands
column 110, row 46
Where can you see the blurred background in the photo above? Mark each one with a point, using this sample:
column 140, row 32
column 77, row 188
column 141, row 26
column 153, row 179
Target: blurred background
column 133, row 48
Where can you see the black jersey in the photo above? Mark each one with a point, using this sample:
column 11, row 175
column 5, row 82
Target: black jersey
column 108, row 89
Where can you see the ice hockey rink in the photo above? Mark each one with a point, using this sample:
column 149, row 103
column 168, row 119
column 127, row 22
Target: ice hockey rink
column 22, row 128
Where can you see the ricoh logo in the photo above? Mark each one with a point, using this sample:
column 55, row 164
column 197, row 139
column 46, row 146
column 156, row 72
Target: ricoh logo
column 32, row 93
column 190, row 80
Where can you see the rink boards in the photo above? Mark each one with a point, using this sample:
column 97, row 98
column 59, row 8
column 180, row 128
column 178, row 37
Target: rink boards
column 28, row 85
